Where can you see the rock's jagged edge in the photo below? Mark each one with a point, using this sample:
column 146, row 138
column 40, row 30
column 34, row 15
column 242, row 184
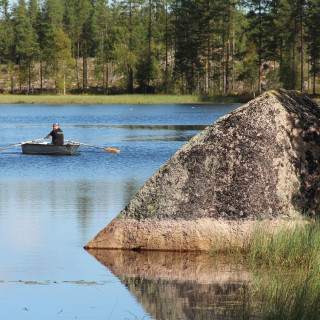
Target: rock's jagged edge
column 258, row 163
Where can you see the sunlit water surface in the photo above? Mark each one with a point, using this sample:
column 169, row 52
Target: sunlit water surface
column 51, row 206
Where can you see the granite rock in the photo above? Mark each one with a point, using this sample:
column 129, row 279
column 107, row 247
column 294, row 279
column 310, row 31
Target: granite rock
column 259, row 162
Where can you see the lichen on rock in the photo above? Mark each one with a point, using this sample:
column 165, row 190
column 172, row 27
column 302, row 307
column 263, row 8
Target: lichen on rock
column 259, row 162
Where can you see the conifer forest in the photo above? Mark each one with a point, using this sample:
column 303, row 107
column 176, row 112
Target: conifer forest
column 203, row 47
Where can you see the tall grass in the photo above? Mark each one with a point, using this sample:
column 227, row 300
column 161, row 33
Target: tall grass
column 286, row 281
column 298, row 246
column 293, row 296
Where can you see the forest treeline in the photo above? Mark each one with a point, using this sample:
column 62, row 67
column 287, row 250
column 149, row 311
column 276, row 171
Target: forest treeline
column 205, row 47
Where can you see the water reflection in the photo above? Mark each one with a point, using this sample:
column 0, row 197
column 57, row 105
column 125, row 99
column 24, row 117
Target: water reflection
column 51, row 206
column 172, row 285
column 33, row 208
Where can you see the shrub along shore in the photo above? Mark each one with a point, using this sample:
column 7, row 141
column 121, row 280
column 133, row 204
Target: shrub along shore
column 119, row 99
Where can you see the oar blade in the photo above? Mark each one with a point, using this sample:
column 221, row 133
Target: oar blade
column 112, row 150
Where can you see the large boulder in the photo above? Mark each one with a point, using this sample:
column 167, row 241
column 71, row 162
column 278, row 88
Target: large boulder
column 258, row 163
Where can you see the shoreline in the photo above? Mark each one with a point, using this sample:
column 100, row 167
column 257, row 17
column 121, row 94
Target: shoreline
column 119, row 99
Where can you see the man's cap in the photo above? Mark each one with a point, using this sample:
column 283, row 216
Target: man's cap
column 56, row 124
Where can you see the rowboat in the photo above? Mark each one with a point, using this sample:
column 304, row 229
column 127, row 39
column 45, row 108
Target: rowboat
column 49, row 148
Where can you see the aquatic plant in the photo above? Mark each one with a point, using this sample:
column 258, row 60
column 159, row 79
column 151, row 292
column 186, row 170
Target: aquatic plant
column 277, row 295
column 298, row 246
column 286, row 272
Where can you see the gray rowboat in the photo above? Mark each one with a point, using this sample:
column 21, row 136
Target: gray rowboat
column 48, row 148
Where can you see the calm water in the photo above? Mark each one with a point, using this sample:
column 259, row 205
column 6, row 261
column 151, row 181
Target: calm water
column 51, row 206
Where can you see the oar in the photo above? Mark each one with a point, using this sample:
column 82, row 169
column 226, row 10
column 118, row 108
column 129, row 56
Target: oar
column 89, row 145
column 19, row 144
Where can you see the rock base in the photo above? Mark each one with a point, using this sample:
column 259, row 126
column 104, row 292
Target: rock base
column 205, row 234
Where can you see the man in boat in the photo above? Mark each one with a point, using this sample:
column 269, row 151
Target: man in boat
column 56, row 134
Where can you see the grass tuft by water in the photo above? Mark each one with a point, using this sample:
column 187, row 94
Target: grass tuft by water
column 286, row 269
column 281, row 295
column 298, row 246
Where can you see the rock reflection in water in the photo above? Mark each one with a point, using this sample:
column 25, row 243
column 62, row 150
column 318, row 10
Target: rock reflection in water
column 172, row 285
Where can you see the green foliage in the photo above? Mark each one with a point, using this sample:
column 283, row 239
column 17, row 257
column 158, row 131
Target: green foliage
column 54, row 10
column 184, row 46
column 25, row 37
column 248, row 69
column 102, row 37
column 312, row 38
column 190, row 18
column 26, row 45
column 7, row 40
column 62, row 61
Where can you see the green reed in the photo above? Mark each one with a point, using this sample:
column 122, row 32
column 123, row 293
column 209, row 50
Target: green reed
column 291, row 296
column 286, row 275
column 280, row 295
column 298, row 246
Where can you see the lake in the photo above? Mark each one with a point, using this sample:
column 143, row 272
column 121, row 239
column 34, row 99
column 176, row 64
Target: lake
column 51, row 206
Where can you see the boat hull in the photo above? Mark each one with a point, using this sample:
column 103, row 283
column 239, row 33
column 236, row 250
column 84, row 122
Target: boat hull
column 41, row 148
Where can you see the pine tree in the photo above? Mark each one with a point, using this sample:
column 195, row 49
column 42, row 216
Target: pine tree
column 101, row 22
column 6, row 35
column 26, row 42
column 227, row 14
column 287, row 26
column 73, row 30
column 33, row 12
column 55, row 42
column 54, row 10
column 167, row 39
column 185, row 46
column 7, row 41
column 84, row 12
column 129, row 39
column 189, row 45
column 257, row 18
column 150, row 48
column 313, row 40
column 248, row 70
column 62, row 60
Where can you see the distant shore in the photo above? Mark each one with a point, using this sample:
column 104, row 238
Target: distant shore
column 118, row 99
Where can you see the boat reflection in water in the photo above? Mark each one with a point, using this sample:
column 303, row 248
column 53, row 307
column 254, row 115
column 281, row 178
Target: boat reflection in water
column 172, row 285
